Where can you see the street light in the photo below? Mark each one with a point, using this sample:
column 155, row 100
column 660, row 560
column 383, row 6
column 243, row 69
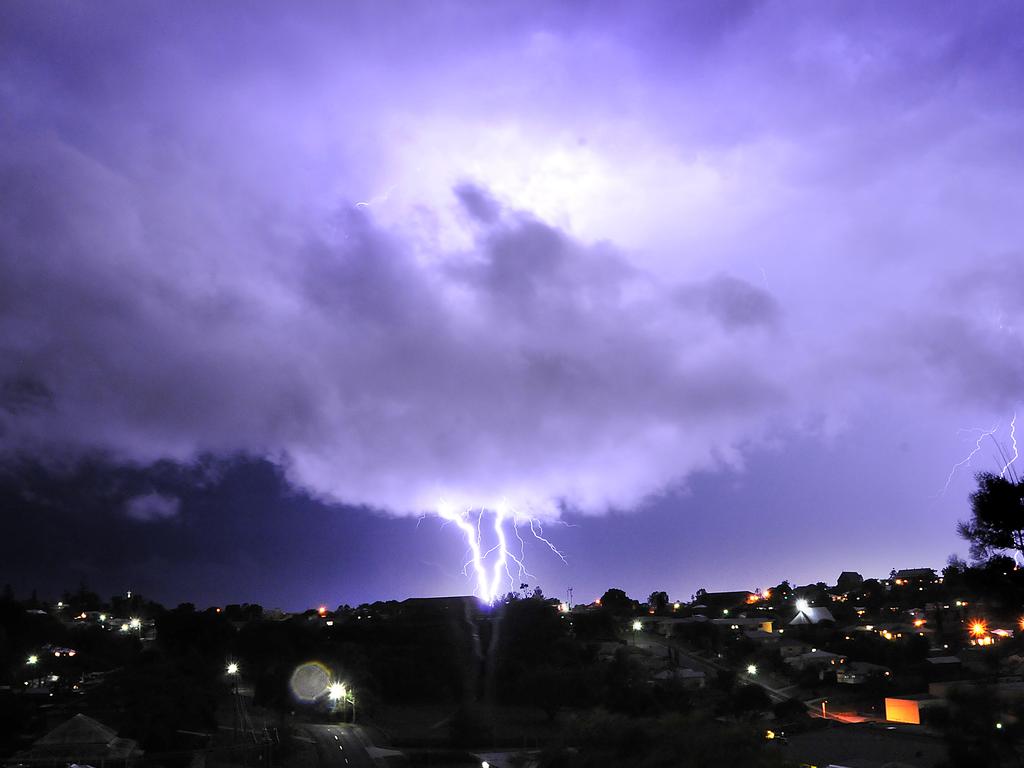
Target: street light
column 233, row 668
column 32, row 660
column 339, row 692
column 637, row 625
column 135, row 623
column 751, row 669
column 802, row 605
column 336, row 691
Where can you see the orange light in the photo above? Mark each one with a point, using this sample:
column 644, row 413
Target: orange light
column 918, row 622
column 767, row 595
column 322, row 610
column 751, row 599
column 979, row 628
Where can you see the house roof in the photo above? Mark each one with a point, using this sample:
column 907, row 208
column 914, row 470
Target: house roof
column 80, row 729
column 81, row 740
column 820, row 654
column 813, row 616
column 916, row 573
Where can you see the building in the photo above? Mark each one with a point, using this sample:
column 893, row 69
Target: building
column 83, row 741
column 745, row 624
column 811, row 615
column 915, row 577
column 860, row 672
column 817, row 659
column 849, row 580
column 722, row 602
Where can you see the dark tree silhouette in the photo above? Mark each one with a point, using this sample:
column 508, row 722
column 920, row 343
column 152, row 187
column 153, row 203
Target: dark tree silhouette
column 997, row 516
column 617, row 602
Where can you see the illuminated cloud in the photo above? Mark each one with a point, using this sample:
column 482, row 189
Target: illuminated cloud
column 571, row 262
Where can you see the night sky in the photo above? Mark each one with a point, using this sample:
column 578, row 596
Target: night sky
column 719, row 292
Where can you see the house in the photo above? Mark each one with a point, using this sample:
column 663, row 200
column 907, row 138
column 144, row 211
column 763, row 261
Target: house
column 791, row 647
column 915, row 577
column 812, row 615
column 817, row 659
column 760, row 636
column 690, row 678
column 720, row 603
column 83, row 741
column 744, row 624
column 859, row 672
column 849, row 580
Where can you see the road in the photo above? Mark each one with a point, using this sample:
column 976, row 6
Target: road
column 708, row 667
column 340, row 746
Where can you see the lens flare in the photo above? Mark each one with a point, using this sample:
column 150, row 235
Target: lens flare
column 310, row 681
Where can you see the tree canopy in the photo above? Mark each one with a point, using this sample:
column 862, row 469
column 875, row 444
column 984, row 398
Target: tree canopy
column 997, row 516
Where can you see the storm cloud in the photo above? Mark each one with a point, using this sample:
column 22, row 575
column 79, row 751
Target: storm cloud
column 563, row 258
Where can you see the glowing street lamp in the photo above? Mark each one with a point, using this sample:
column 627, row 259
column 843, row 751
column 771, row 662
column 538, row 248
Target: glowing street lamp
column 232, row 668
column 135, row 623
column 339, row 692
column 802, row 605
column 336, row 691
column 637, row 626
column 32, row 660
column 751, row 669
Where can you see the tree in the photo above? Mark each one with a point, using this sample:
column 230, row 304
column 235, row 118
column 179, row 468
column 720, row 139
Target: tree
column 658, row 601
column 617, row 602
column 997, row 516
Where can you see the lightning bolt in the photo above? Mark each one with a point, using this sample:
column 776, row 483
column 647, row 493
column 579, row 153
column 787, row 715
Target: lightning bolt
column 967, row 460
column 490, row 564
column 1016, row 454
column 538, row 533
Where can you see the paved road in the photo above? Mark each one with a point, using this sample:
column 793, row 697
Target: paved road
column 340, row 746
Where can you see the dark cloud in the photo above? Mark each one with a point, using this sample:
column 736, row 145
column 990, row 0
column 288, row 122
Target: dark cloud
column 733, row 302
column 478, row 203
column 24, row 394
column 152, row 508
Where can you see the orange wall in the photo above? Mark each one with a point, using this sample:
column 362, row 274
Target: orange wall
column 902, row 711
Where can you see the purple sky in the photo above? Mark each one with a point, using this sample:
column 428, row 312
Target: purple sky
column 724, row 287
